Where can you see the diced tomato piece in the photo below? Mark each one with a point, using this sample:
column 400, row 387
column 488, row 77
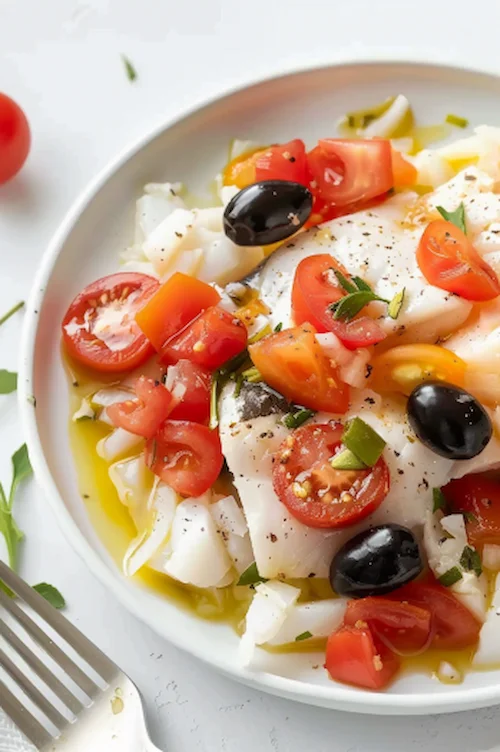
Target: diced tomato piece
column 448, row 260
column 283, row 162
column 315, row 289
column 186, row 456
column 317, row 494
column 214, row 337
column 403, row 627
column 293, row 363
column 478, row 497
column 194, row 404
column 178, row 302
column 355, row 656
column 403, row 171
column 144, row 415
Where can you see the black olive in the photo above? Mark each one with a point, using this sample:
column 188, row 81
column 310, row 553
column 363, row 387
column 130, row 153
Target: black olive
column 375, row 562
column 267, row 212
column 449, row 420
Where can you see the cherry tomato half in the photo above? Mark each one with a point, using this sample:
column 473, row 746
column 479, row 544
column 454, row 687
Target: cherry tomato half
column 99, row 328
column 402, row 368
column 186, row 456
column 15, row 138
column 355, row 656
column 479, row 497
column 448, row 260
column 317, row 494
column 403, row 627
column 195, row 381
column 211, row 339
column 315, row 288
column 293, row 363
column 144, row 415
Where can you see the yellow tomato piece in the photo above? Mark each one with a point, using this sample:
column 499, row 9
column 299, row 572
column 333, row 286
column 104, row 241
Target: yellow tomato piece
column 240, row 171
column 402, row 368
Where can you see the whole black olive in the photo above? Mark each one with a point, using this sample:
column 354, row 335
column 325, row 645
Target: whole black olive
column 375, row 562
column 449, row 420
column 267, row 212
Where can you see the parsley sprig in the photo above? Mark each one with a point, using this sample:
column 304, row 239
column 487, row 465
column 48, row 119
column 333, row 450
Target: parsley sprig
column 359, row 294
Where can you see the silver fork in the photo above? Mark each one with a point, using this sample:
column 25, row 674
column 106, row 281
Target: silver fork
column 84, row 702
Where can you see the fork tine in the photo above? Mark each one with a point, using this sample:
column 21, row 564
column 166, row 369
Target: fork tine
column 86, row 649
column 82, row 680
column 23, row 718
column 32, row 692
column 59, row 689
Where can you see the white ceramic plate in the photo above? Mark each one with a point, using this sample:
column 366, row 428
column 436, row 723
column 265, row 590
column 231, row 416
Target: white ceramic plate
column 192, row 149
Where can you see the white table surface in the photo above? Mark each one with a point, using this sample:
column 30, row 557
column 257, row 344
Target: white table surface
column 61, row 60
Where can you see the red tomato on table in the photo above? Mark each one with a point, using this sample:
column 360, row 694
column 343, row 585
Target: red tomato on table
column 317, row 494
column 144, row 415
column 293, row 363
column 479, row 497
column 185, row 456
column 355, row 656
column 315, row 288
column 403, row 627
column 15, row 138
column 448, row 260
column 209, row 341
column 99, row 328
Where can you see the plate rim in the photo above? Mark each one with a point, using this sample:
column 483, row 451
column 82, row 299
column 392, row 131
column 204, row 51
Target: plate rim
column 335, row 696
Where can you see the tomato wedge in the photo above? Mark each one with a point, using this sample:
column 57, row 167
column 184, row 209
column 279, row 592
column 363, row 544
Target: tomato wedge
column 99, row 328
column 479, row 498
column 355, row 656
column 178, row 301
column 448, row 260
column 403, row 627
column 315, row 288
column 186, row 456
column 195, row 382
column 214, row 337
column 453, row 625
column 144, row 415
column 317, row 494
column 402, row 368
column 293, row 363
column 283, row 162
column 345, row 171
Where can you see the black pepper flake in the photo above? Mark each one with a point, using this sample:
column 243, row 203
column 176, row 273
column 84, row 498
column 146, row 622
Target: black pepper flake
column 76, row 384
column 311, row 574
column 273, row 537
column 396, row 453
column 400, row 472
column 368, row 371
column 85, row 496
column 179, row 234
column 370, row 400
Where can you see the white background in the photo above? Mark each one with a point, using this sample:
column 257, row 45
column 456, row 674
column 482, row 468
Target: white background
column 61, row 60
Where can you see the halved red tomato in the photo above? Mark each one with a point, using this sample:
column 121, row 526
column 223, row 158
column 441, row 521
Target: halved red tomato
column 355, row 656
column 283, row 162
column 403, row 627
column 317, row 494
column 99, row 329
column 315, row 288
column 195, row 381
column 293, row 363
column 178, row 302
column 448, row 260
column 144, row 415
column 211, row 339
column 186, row 456
column 453, row 625
column 345, row 171
column 479, row 498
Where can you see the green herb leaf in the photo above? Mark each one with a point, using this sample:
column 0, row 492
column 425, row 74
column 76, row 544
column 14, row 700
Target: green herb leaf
column 469, row 517
column 460, row 122
column 51, row 594
column 253, row 375
column 439, row 501
column 10, row 531
column 394, row 307
column 278, row 327
column 8, row 381
column 129, row 68
column 346, row 460
column 363, row 441
column 456, row 217
column 350, row 305
column 471, row 561
column 343, row 282
column 304, row 636
column 298, row 418
column 251, row 576
column 260, row 334
column 450, row 577
column 21, row 467
column 361, row 284
column 10, row 313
